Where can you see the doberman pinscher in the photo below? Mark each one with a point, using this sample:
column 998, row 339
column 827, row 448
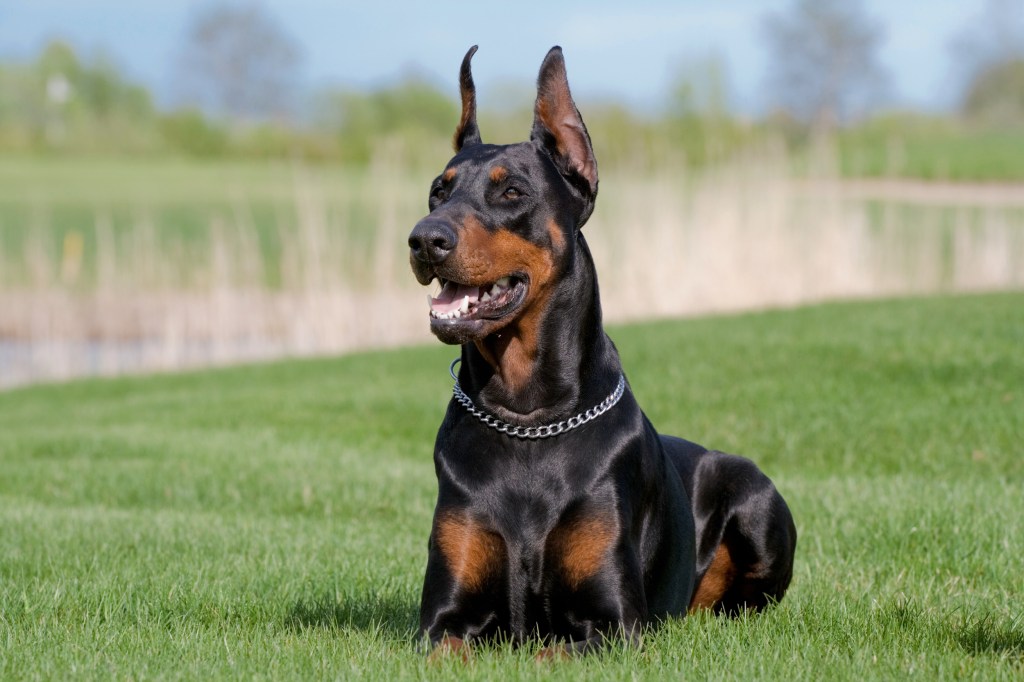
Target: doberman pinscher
column 561, row 513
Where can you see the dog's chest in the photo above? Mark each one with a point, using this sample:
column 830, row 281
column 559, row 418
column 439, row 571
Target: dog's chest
column 538, row 521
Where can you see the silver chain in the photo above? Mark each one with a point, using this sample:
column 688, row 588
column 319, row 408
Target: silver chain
column 534, row 432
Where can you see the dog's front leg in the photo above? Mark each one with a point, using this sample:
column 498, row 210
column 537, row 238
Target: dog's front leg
column 607, row 606
column 464, row 581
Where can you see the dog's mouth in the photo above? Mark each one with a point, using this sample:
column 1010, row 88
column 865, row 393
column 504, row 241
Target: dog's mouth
column 457, row 302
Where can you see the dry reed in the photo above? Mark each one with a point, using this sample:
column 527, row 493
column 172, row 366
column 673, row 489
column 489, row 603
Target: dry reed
column 744, row 236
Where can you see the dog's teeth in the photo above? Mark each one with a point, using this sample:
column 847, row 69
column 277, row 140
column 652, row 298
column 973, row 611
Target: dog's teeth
column 503, row 282
column 486, row 297
column 465, row 304
column 495, row 290
column 456, row 313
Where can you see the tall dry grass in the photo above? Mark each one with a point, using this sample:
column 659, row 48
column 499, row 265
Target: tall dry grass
column 752, row 235
column 743, row 236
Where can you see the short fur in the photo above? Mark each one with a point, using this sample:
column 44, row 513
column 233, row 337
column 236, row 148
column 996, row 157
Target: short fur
column 608, row 527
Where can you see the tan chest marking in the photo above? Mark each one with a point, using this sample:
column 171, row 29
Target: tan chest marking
column 581, row 547
column 472, row 553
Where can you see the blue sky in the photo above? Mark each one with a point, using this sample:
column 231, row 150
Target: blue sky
column 624, row 50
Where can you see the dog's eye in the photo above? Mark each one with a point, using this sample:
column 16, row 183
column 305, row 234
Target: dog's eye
column 438, row 194
column 511, row 193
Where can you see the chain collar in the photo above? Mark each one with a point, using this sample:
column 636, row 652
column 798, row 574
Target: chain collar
column 535, row 432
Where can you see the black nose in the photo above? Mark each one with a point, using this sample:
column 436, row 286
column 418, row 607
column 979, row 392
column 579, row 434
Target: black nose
column 431, row 241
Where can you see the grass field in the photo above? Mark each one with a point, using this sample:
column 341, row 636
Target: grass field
column 270, row 521
column 932, row 150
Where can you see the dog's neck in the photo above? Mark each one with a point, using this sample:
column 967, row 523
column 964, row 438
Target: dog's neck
column 549, row 365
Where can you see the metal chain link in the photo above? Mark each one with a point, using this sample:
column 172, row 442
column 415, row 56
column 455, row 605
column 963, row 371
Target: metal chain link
column 535, row 432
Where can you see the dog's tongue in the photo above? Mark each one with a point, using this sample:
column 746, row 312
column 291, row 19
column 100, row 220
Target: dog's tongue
column 451, row 297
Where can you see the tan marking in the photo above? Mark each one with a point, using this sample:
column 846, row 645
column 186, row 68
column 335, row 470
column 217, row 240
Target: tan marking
column 582, row 547
column 449, row 174
column 471, row 552
column 498, row 173
column 716, row 581
column 450, row 646
column 483, row 257
column 557, row 237
column 553, row 653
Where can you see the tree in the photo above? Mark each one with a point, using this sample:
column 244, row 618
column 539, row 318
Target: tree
column 237, row 61
column 62, row 101
column 995, row 94
column 823, row 55
column 990, row 54
column 413, row 110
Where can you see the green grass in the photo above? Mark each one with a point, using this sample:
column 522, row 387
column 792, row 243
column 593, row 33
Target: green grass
column 932, row 151
column 271, row 521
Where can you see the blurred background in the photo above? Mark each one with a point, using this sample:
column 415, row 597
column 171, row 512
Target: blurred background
column 193, row 183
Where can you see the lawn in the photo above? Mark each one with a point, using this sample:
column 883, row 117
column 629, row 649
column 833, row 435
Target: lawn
column 932, row 150
column 271, row 521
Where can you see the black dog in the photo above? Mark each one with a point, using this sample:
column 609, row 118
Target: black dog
column 561, row 513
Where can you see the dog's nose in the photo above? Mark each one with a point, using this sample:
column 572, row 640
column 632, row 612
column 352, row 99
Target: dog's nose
column 431, row 241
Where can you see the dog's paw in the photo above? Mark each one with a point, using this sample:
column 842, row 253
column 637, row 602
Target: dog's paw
column 450, row 648
column 554, row 652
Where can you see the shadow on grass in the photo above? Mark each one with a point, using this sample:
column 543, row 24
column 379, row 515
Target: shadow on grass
column 387, row 613
column 978, row 634
column 988, row 635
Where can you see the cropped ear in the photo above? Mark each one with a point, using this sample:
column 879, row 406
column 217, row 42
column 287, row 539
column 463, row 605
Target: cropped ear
column 558, row 126
column 467, row 133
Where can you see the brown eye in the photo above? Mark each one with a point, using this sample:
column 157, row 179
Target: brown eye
column 438, row 194
column 511, row 193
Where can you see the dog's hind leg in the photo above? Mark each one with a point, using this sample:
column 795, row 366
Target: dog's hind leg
column 746, row 537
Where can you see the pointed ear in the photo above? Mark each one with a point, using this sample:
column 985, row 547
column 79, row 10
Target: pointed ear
column 558, row 126
column 467, row 133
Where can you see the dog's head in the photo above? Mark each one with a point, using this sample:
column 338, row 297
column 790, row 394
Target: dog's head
column 504, row 219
